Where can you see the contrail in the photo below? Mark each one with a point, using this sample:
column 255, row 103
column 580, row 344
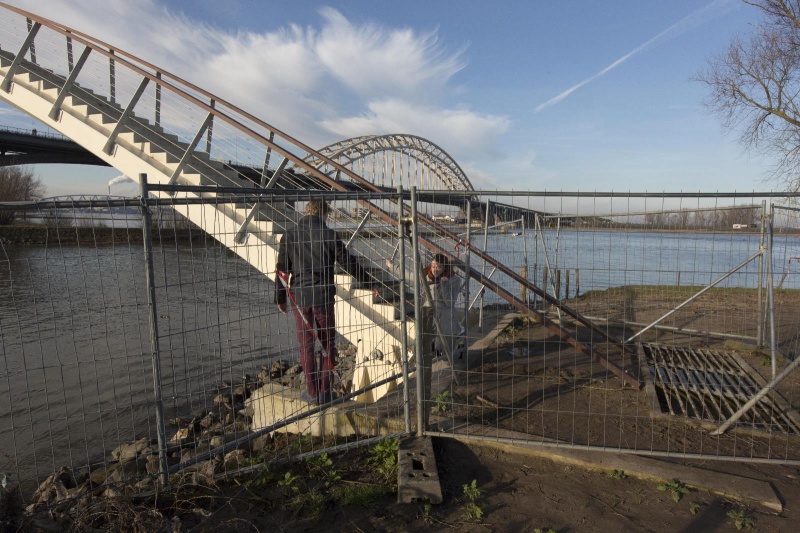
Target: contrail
column 688, row 22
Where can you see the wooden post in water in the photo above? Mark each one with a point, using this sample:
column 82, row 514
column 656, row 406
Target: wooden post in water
column 558, row 284
column 566, row 285
column 544, row 284
column 523, row 290
column 577, row 282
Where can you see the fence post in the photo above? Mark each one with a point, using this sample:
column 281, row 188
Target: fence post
column 423, row 374
column 401, row 248
column 154, row 347
column 467, row 269
column 770, row 290
column 760, row 321
column 485, row 245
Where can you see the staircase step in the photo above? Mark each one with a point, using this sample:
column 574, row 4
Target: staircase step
column 162, row 155
column 134, row 138
column 35, row 80
column 101, row 117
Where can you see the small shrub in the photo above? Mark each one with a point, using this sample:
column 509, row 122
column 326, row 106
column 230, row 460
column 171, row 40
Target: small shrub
column 290, row 482
column 472, row 511
column 441, row 402
column 675, row 487
column 321, row 467
column 383, row 457
column 741, row 519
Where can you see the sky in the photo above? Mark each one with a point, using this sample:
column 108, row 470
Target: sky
column 531, row 95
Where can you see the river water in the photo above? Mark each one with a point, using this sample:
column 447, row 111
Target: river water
column 76, row 346
column 76, row 356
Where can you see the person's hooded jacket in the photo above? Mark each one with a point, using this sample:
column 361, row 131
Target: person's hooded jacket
column 308, row 253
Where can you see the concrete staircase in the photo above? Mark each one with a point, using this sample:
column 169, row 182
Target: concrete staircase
column 135, row 146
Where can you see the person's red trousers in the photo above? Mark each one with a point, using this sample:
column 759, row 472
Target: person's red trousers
column 318, row 373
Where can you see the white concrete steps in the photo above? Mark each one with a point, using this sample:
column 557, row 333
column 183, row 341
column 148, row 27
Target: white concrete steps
column 143, row 148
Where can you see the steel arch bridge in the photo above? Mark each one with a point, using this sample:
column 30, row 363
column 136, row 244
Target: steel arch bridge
column 397, row 159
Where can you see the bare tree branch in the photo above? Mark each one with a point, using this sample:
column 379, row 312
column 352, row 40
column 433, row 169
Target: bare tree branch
column 755, row 88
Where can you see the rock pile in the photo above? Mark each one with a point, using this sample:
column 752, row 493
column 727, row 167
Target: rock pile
column 133, row 467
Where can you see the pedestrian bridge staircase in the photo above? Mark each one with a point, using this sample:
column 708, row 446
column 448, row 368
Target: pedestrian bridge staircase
column 145, row 121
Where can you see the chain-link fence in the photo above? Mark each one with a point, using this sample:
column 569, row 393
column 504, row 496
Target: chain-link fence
column 137, row 347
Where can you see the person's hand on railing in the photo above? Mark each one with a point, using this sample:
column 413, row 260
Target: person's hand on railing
column 282, row 308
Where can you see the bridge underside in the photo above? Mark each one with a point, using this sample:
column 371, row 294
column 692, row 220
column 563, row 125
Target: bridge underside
column 17, row 148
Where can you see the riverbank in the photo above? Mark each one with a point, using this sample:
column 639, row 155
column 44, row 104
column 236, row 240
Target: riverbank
column 37, row 234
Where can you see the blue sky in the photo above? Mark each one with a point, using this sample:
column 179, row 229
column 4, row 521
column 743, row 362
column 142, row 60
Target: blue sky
column 527, row 95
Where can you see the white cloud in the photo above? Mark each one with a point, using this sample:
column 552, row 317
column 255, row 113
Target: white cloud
column 376, row 62
column 456, row 131
column 318, row 84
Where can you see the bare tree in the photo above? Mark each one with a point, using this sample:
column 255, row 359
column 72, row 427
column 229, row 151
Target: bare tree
column 18, row 184
column 755, row 86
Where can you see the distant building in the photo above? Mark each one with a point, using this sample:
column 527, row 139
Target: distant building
column 440, row 217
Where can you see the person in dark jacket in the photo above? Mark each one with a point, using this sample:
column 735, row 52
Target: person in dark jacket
column 307, row 254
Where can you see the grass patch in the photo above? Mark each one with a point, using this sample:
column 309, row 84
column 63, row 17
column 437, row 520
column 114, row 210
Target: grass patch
column 363, row 495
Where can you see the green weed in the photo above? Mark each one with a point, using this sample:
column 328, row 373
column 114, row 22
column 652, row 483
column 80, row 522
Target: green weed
column 321, row 467
column 695, row 507
column 383, row 457
column 425, row 515
column 472, row 511
column 618, row 474
column 290, row 482
column 675, row 487
column 741, row 519
column 441, row 402
column 544, row 530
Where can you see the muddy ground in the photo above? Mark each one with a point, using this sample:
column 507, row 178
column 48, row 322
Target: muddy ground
column 527, row 382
